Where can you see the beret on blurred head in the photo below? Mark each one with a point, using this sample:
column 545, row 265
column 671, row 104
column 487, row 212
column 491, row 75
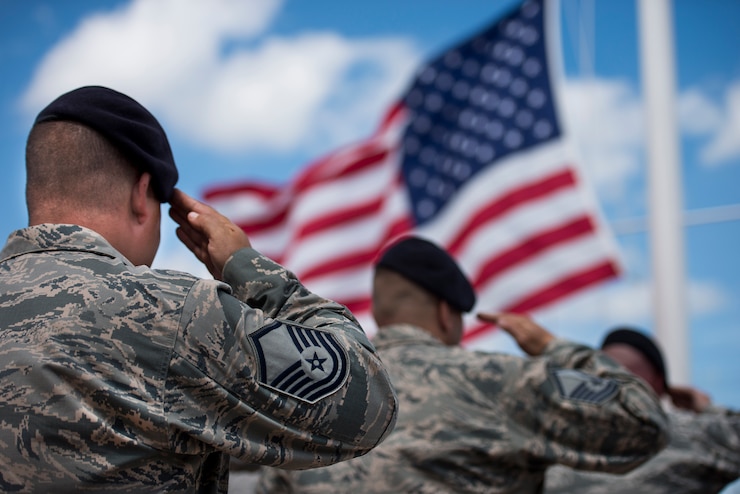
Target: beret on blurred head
column 126, row 124
column 640, row 342
column 432, row 268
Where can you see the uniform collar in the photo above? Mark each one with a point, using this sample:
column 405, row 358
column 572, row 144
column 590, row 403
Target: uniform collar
column 55, row 237
column 403, row 334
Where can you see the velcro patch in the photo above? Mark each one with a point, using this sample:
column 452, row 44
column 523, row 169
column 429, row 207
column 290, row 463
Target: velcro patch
column 579, row 386
column 306, row 363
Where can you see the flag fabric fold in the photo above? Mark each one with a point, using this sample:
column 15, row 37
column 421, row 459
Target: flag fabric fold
column 475, row 156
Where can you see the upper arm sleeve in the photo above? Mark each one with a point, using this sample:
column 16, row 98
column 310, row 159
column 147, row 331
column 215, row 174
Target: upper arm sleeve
column 274, row 374
column 590, row 413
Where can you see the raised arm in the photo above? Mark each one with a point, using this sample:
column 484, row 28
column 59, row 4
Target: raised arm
column 303, row 384
column 594, row 414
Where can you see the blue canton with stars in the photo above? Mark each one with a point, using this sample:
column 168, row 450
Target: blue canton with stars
column 478, row 102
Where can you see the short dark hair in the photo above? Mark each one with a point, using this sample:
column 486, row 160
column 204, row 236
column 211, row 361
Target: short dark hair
column 69, row 163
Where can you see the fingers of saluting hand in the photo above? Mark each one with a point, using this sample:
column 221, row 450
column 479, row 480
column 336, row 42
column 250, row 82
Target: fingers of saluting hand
column 530, row 337
column 182, row 213
column 184, row 226
column 488, row 317
column 185, row 211
column 211, row 236
column 193, row 240
column 180, row 201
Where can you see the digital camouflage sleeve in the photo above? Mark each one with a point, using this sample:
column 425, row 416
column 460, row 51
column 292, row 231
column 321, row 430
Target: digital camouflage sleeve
column 702, row 457
column 127, row 379
column 475, row 422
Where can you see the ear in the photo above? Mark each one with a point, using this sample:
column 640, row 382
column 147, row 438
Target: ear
column 446, row 322
column 139, row 198
column 449, row 324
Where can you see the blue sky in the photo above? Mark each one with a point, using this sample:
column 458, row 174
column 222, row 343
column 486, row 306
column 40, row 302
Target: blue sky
column 258, row 88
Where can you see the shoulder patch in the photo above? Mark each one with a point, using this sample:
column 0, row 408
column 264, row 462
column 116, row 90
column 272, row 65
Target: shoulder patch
column 579, row 386
column 306, row 363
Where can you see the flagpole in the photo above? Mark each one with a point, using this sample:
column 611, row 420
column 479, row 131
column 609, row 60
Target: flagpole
column 664, row 185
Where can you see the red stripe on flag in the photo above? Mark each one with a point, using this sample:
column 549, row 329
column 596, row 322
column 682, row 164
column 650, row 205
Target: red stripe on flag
column 264, row 191
column 567, row 285
column 401, row 226
column 279, row 214
column 559, row 289
column 515, row 198
column 265, row 223
column 359, row 305
column 340, row 263
column 532, row 246
column 339, row 218
column 355, row 259
column 392, row 118
column 369, row 155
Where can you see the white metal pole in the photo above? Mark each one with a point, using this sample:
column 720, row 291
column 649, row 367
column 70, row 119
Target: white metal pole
column 664, row 185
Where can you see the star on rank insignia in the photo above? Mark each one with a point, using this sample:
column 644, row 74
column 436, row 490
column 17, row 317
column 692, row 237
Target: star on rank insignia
column 306, row 363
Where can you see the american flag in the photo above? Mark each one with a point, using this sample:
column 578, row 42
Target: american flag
column 474, row 157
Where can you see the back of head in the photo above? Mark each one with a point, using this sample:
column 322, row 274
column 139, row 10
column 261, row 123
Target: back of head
column 95, row 130
column 411, row 275
column 70, row 168
column 397, row 300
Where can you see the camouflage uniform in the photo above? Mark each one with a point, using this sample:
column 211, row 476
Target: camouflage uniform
column 702, row 457
column 118, row 378
column 482, row 422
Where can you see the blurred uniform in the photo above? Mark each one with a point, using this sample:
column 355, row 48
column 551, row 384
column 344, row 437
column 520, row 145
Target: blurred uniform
column 121, row 378
column 702, row 456
column 475, row 422
column 492, row 422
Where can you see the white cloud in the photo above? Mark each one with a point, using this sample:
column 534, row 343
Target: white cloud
column 725, row 143
column 700, row 115
column 282, row 95
column 278, row 88
column 209, row 72
column 148, row 48
column 606, row 119
column 697, row 113
column 630, row 302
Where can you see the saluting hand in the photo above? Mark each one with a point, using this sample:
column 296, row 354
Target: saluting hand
column 688, row 398
column 531, row 337
column 208, row 234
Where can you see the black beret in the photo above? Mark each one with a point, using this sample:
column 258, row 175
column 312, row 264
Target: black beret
column 126, row 124
column 432, row 268
column 640, row 342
